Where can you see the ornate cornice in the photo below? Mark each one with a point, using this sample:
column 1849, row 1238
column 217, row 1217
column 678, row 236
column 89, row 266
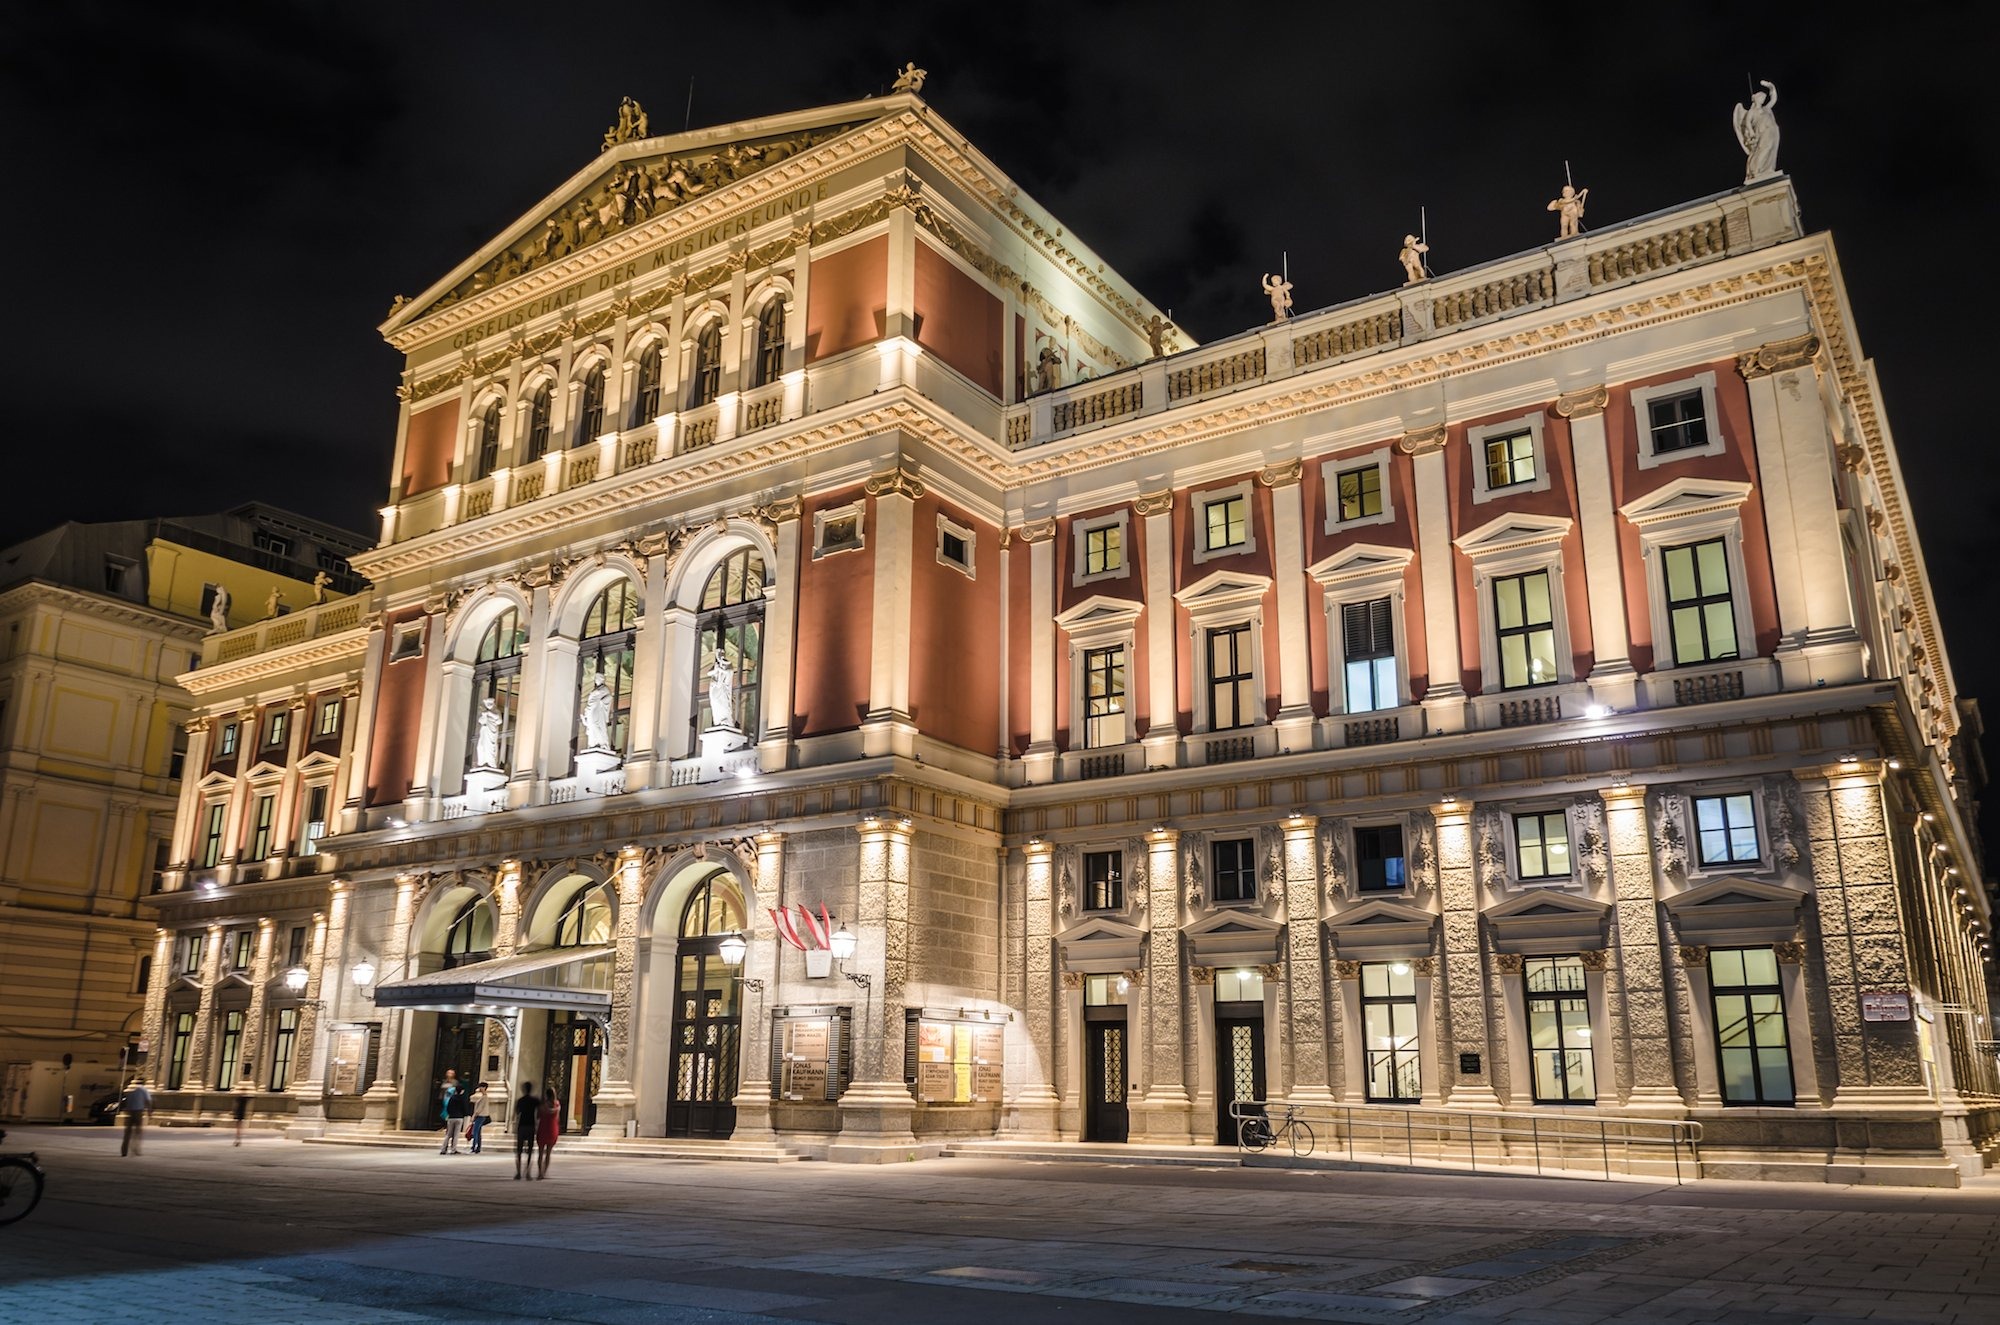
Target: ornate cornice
column 1586, row 403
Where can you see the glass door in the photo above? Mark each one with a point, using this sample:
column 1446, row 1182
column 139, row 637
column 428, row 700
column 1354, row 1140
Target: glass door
column 1239, row 1062
column 1105, row 1116
column 708, row 1026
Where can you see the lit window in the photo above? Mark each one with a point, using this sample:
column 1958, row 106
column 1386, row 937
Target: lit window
column 1368, row 643
column 1752, row 1043
column 228, row 1060
column 1524, row 616
column 283, row 1041
column 260, row 833
column 1230, row 701
column 328, row 721
column 1226, row 522
column 1559, row 1030
column 1677, row 422
column 1360, row 493
column 211, row 836
column 1103, row 880
column 1103, row 550
column 1541, row 844
column 1700, row 612
column 178, row 1055
column 1726, row 830
column 1510, row 460
column 731, row 627
column 1104, row 697
column 225, row 744
column 605, row 652
column 1389, row 1030
column 274, row 730
column 1234, row 870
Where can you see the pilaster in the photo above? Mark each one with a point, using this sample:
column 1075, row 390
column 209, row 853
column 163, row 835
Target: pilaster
column 1039, row 762
column 253, row 1021
column 1462, row 967
column 1305, row 982
column 774, row 746
column 309, row 1074
column 195, row 1079
column 1444, row 695
column 888, row 728
column 385, row 1092
column 1030, row 1111
column 1165, row 1113
column 876, row 1108
column 760, row 972
column 650, row 653
column 1163, row 735
column 1645, row 1028
column 1295, row 716
column 1612, row 679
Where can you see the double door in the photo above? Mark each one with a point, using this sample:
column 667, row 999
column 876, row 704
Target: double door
column 575, row 1068
column 707, row 1037
column 1105, row 1044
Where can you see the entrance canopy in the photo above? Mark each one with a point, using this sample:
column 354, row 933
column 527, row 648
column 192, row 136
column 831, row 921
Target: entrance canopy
column 564, row 979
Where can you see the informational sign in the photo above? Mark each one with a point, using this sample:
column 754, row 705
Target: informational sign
column 1885, row 1005
column 1468, row 1065
column 934, row 1082
column 809, row 1040
column 350, row 1052
column 808, row 1055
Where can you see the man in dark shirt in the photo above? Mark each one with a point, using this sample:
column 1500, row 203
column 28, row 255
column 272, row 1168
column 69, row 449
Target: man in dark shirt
column 525, row 1110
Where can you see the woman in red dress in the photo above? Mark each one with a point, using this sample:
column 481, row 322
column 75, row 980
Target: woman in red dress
column 548, row 1126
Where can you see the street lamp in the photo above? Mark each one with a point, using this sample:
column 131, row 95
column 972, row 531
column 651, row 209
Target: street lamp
column 732, row 948
column 842, row 942
column 295, row 979
column 363, row 974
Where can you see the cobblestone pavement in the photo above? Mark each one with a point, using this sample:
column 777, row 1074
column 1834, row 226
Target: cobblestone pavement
column 276, row 1231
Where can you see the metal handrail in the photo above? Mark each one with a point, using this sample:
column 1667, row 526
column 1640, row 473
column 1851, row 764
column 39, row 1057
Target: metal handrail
column 1432, row 1130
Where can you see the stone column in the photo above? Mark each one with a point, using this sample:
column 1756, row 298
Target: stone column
column 1288, row 560
column 876, row 1108
column 650, row 652
column 774, row 745
column 361, row 732
column 888, row 728
column 1039, row 763
column 1165, row 1114
column 253, row 1020
column 1444, row 699
column 195, row 1079
column 384, row 1094
column 284, row 829
column 1645, row 1021
column 187, row 818
column 760, row 974
column 1030, row 1111
column 507, row 908
column 1507, row 973
column 615, row 1100
column 155, row 1015
column 1163, row 735
column 309, row 1075
column 1305, row 971
column 1612, row 680
column 1462, row 969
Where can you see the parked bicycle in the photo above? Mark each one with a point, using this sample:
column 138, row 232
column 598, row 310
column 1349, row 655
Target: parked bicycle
column 20, row 1184
column 1256, row 1132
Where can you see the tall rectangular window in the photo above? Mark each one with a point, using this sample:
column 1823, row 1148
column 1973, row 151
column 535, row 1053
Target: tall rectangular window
column 1104, row 697
column 1378, row 858
column 1726, row 830
column 1524, row 625
column 1230, row 702
column 1360, row 493
column 328, row 721
column 1677, row 422
column 1559, row 1030
column 226, row 743
column 1510, row 460
column 1541, row 844
column 1389, row 1025
column 295, row 948
column 1225, row 522
column 178, row 1054
column 1103, row 550
column 274, row 732
column 316, row 798
column 1751, row 1041
column 229, row 1055
column 242, row 949
column 284, row 1039
column 191, row 945
column 260, row 832
column 1233, row 868
column 1103, row 880
column 1700, row 613
column 1368, row 644
column 211, row 835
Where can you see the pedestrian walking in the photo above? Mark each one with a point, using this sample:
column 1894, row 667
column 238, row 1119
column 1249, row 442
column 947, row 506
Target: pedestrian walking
column 242, row 1116
column 137, row 1103
column 479, row 1115
column 457, row 1117
column 548, row 1126
column 527, row 1117
column 445, row 1092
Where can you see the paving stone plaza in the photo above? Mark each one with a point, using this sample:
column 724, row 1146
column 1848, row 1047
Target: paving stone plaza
column 276, row 1231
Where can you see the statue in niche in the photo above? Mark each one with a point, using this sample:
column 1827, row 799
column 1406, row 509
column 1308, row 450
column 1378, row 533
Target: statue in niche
column 486, row 744
column 320, row 580
column 1757, row 131
column 597, row 712
column 218, row 610
column 1156, row 334
column 1279, row 291
column 274, row 603
column 1569, row 207
column 722, row 693
column 1048, row 369
column 1412, row 258
column 910, row 78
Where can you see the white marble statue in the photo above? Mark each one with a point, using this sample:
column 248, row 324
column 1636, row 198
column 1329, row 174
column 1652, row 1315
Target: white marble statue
column 910, row 78
column 275, row 603
column 1570, row 206
column 597, row 712
column 320, row 580
column 1757, row 130
column 722, row 693
column 1279, row 291
column 486, row 745
column 218, row 610
column 1412, row 258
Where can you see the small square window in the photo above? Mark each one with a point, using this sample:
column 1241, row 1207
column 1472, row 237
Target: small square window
column 955, row 544
column 1541, row 844
column 1103, row 550
column 837, row 530
column 1360, row 493
column 1678, row 422
column 1378, row 858
column 1726, row 830
column 1234, row 871
column 1103, row 880
column 1510, row 460
column 266, row 541
column 1226, row 523
column 409, row 642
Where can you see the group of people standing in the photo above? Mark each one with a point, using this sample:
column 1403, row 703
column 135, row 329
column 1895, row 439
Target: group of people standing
column 537, row 1123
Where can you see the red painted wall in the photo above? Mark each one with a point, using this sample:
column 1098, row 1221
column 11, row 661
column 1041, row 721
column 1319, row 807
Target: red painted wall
column 428, row 447
column 957, row 319
column 847, row 301
column 1020, row 644
column 955, row 634
column 398, row 713
column 1187, row 527
column 836, row 621
column 1399, row 532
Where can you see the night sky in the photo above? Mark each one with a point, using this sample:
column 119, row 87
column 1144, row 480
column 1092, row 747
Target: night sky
column 211, row 206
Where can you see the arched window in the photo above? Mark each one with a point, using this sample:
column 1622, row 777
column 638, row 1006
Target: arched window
column 646, row 402
column 706, row 384
column 585, row 920
column 470, row 937
column 711, row 909
column 540, row 407
column 604, row 645
column 496, row 676
column 770, row 343
column 731, row 624
column 489, row 440
column 590, row 418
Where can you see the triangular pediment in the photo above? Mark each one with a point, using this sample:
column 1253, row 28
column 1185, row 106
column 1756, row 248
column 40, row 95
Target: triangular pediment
column 1381, row 929
column 1223, row 588
column 1513, row 532
column 1228, row 937
column 1685, row 497
column 1543, row 920
column 263, row 769
column 636, row 179
column 1546, row 902
column 1362, row 561
column 1735, row 892
column 1100, row 927
column 1099, row 945
column 216, row 781
column 1232, row 922
column 1737, row 910
column 1382, row 912
column 318, row 761
column 1100, row 612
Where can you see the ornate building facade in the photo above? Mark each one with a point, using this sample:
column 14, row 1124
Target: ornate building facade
column 844, row 670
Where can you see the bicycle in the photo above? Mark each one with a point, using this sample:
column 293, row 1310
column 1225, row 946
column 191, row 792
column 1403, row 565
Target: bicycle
column 20, row 1184
column 1256, row 1133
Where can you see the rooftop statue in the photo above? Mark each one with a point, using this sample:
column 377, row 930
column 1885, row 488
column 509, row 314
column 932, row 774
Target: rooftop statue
column 1412, row 258
column 218, row 610
column 1156, row 334
column 1757, row 131
column 631, row 124
column 1279, row 290
column 320, row 580
column 1570, row 204
column 910, row 78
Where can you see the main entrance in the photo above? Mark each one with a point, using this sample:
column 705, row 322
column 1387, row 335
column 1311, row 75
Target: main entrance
column 575, row 1067
column 1105, row 1117
column 1239, row 1062
column 708, row 1015
column 461, row 1042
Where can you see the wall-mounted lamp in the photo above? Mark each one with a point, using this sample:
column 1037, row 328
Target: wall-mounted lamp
column 843, row 942
column 295, row 979
column 363, row 974
column 732, row 947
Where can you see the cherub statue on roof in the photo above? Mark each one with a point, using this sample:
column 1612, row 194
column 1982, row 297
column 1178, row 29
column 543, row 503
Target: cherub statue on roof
column 1569, row 209
column 1279, row 290
column 1412, row 258
column 911, row 78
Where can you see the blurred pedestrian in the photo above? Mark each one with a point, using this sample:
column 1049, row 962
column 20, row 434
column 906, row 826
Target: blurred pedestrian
column 548, row 1128
column 242, row 1115
column 137, row 1103
column 453, row 1121
column 479, row 1115
column 527, row 1117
